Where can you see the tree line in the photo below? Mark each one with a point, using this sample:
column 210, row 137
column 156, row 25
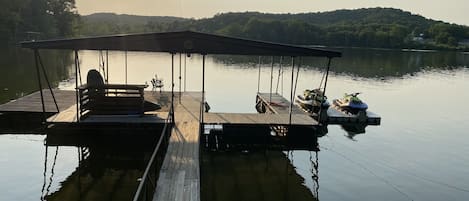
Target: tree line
column 37, row 19
column 371, row 27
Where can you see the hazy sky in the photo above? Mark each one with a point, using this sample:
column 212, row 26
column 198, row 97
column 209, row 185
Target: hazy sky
column 454, row 11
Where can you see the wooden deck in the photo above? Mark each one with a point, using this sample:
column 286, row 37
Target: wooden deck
column 24, row 115
column 32, row 102
column 68, row 115
column 258, row 119
column 180, row 173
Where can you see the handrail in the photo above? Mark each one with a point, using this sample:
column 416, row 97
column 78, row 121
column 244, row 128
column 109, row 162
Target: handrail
column 146, row 176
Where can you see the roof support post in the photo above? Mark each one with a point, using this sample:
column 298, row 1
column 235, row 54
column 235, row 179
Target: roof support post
column 291, row 89
column 329, row 59
column 126, row 67
column 271, row 79
column 259, row 76
column 76, row 85
column 180, row 81
column 107, row 67
column 38, row 73
column 172, row 87
column 185, row 57
column 202, row 102
column 48, row 82
column 280, row 72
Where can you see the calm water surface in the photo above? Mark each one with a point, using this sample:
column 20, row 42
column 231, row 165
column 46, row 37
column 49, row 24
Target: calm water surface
column 420, row 152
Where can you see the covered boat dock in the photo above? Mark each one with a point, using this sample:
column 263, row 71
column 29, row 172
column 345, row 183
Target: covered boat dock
column 182, row 118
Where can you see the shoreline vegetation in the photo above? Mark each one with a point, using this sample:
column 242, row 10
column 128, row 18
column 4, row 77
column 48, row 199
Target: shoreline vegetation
column 385, row 28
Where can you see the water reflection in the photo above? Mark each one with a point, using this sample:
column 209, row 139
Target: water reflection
column 250, row 170
column 18, row 73
column 368, row 63
column 255, row 175
column 105, row 171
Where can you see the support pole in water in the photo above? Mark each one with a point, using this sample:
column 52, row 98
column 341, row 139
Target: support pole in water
column 172, row 86
column 271, row 79
column 259, row 76
column 291, row 89
column 76, row 85
column 180, row 81
column 38, row 73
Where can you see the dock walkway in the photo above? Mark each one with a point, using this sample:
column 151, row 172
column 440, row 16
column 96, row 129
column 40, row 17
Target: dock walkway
column 180, row 173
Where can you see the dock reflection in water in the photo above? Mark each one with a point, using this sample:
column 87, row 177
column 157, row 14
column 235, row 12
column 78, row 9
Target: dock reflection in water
column 106, row 171
column 258, row 173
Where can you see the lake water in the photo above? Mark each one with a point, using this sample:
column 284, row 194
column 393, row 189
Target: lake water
column 420, row 152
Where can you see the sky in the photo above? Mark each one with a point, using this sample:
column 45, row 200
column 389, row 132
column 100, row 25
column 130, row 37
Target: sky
column 453, row 11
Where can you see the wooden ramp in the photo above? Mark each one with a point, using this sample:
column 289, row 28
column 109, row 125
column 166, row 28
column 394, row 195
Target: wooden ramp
column 180, row 174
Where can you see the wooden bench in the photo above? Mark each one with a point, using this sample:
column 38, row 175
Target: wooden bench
column 111, row 99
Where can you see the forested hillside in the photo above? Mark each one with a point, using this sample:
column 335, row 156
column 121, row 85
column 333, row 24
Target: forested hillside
column 37, row 19
column 371, row 27
column 108, row 23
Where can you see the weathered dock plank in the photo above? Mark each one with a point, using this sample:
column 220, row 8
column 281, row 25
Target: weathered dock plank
column 32, row 102
column 258, row 119
column 180, row 174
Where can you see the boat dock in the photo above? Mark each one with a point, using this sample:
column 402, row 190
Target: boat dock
column 179, row 122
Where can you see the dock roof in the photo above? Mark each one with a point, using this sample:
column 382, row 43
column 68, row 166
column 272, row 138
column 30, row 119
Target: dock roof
column 181, row 42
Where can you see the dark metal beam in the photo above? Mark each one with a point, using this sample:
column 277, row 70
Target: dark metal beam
column 181, row 42
column 38, row 73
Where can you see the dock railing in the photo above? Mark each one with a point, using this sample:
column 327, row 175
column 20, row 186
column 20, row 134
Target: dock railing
column 148, row 181
column 111, row 99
